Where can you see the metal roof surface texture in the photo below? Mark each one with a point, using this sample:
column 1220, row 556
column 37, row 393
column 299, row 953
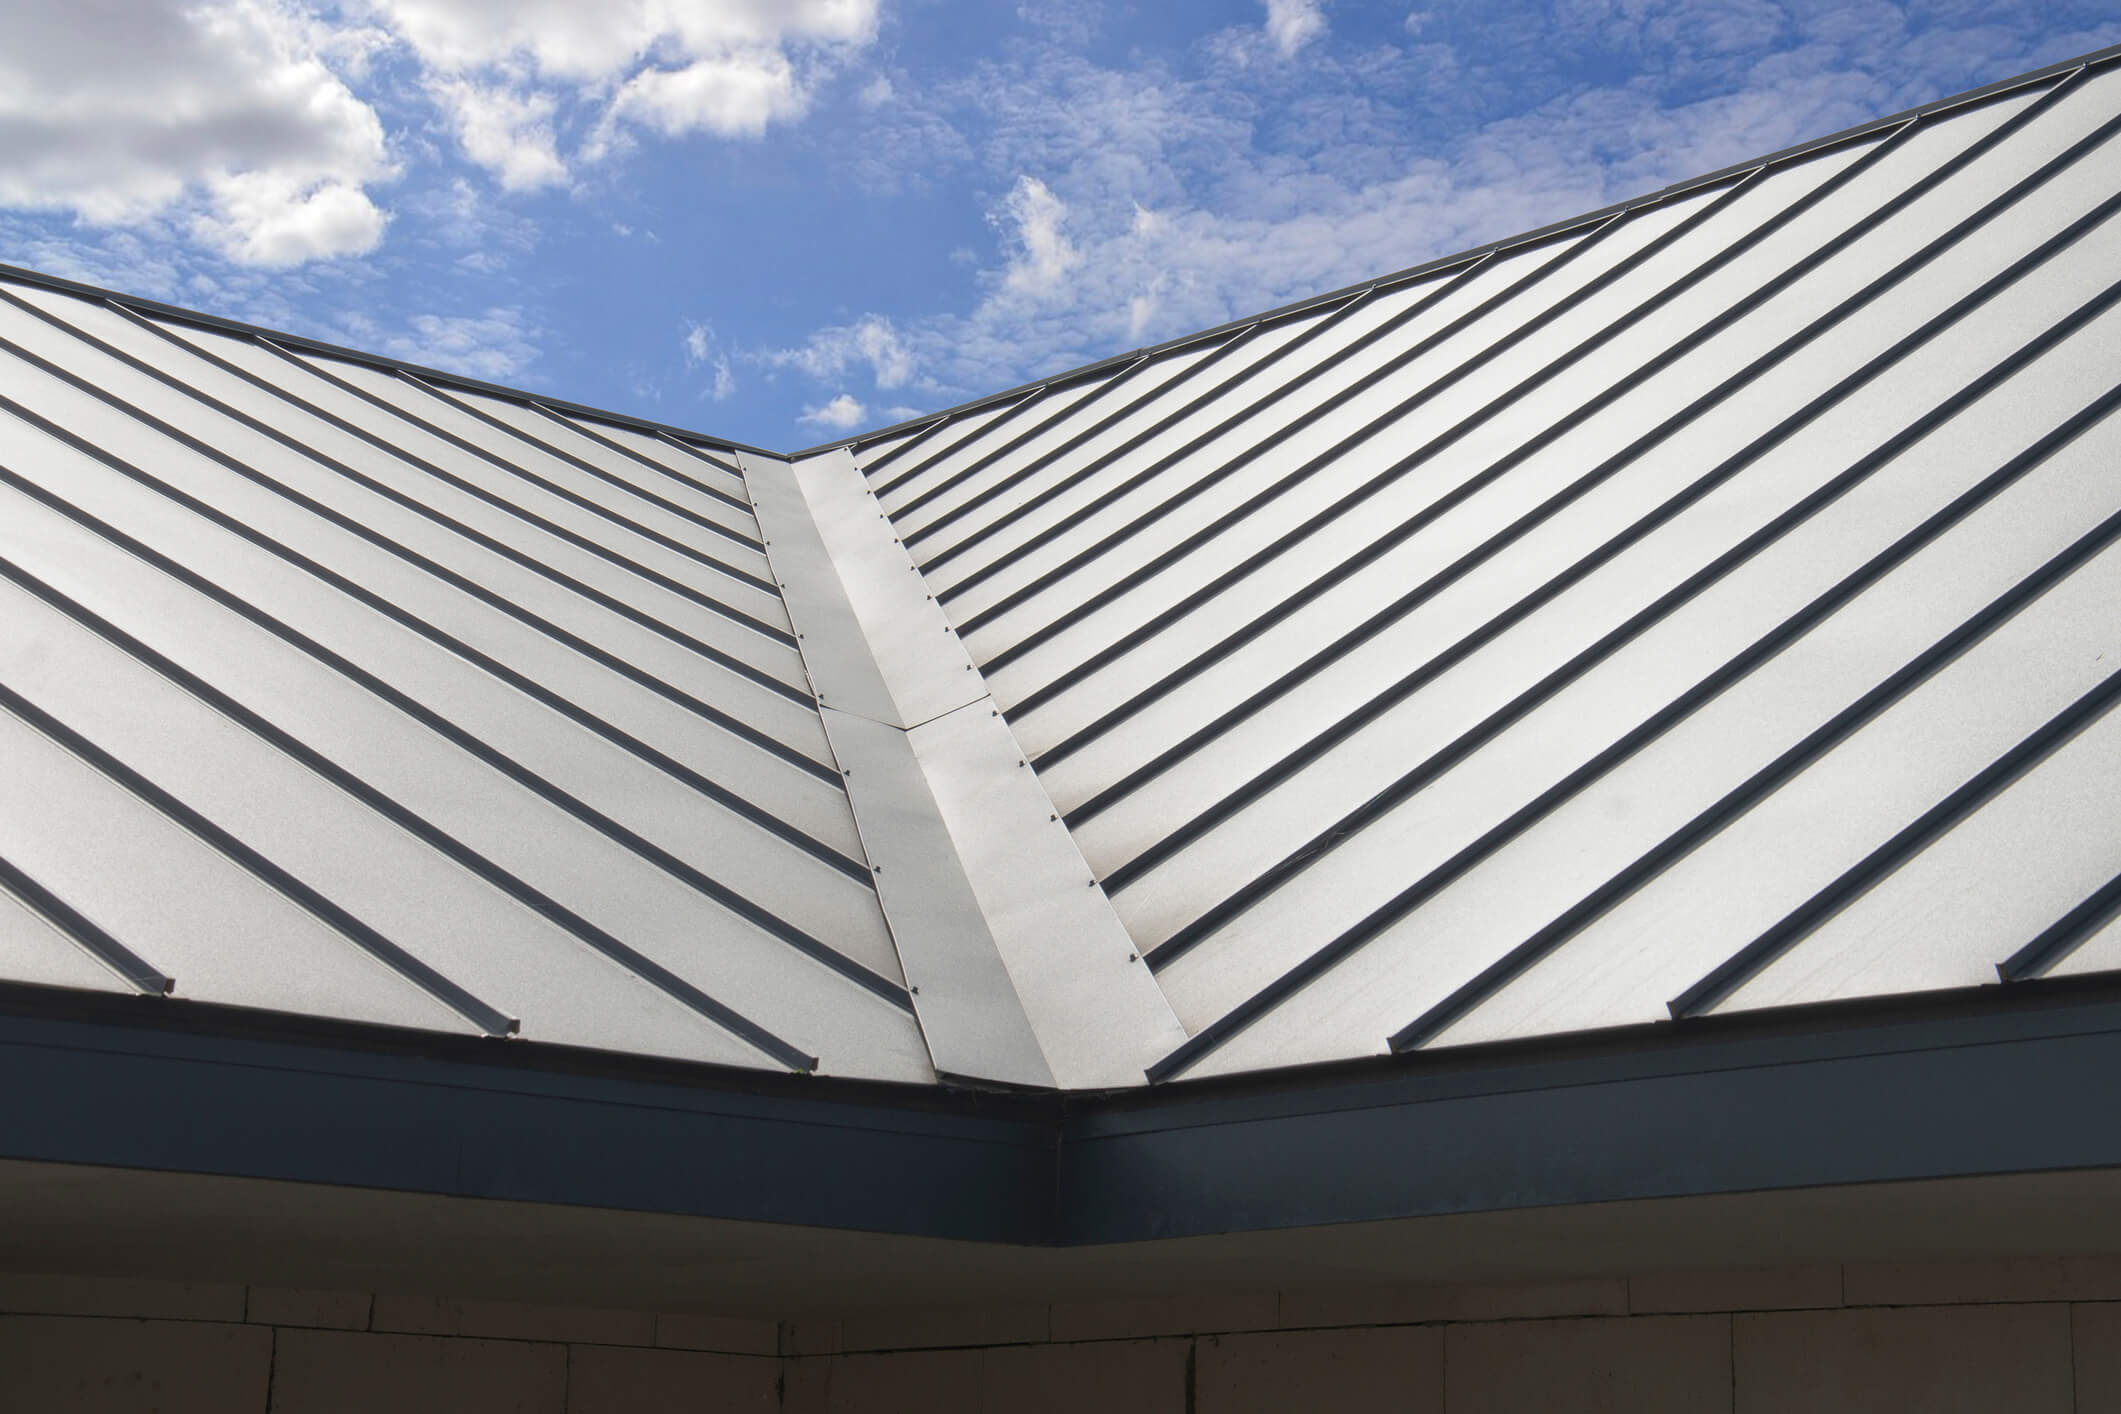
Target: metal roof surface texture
column 1701, row 607
column 328, row 689
column 1706, row 606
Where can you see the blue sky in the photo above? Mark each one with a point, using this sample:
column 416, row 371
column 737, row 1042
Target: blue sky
column 783, row 221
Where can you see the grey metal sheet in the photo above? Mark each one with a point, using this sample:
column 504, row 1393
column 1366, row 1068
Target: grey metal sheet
column 1935, row 922
column 1099, row 1015
column 501, row 567
column 674, row 504
column 1324, row 789
column 918, row 661
column 165, row 894
column 32, row 950
column 971, row 1017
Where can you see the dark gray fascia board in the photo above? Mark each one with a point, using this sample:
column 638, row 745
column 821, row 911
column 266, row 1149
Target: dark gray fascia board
column 1994, row 1080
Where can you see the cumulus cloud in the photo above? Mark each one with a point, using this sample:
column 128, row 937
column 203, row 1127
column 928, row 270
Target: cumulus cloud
column 1292, row 24
column 224, row 115
column 724, row 67
column 508, row 132
column 704, row 351
column 871, row 341
column 839, row 415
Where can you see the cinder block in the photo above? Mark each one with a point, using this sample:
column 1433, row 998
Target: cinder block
column 730, row 1335
column 814, row 1335
column 2095, row 1341
column 1303, row 1307
column 929, row 1327
column 1965, row 1283
column 1938, row 1359
column 509, row 1320
column 1398, row 1369
column 1129, row 1318
column 100, row 1365
column 1609, row 1365
column 288, row 1306
column 610, row 1379
column 1750, row 1289
column 37, row 1293
column 349, row 1372
column 1109, row 1377
column 806, row 1385
column 918, row 1382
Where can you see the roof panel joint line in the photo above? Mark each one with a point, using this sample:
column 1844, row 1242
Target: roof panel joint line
column 501, row 603
column 1777, row 773
column 79, row 930
column 459, row 999
column 582, row 428
column 677, row 770
column 1019, row 974
column 1654, row 726
column 2062, row 937
column 513, row 555
column 1983, row 787
column 544, row 447
column 1016, row 476
column 527, row 477
column 1313, row 589
column 1327, row 322
column 416, row 825
column 1149, row 858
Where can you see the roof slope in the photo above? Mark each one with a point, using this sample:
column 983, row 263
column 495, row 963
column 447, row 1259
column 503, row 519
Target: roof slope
column 343, row 692
column 1706, row 606
column 1701, row 607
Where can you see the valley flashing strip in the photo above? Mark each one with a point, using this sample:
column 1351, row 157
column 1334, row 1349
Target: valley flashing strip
column 1020, row 972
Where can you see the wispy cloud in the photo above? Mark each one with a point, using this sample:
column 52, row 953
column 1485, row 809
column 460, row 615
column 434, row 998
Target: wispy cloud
column 871, row 341
column 1292, row 24
column 495, row 345
column 703, row 351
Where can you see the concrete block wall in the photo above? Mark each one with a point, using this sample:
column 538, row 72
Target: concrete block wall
column 2040, row 1336
column 79, row 1345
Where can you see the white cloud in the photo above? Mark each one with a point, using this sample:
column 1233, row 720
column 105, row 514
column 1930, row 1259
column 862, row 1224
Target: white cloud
column 1292, row 24
column 1041, row 253
column 496, row 345
column 224, row 115
column 505, row 71
column 506, row 131
column 871, row 341
column 842, row 413
column 703, row 350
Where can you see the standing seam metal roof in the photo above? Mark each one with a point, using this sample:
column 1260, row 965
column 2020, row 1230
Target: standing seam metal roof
column 1701, row 607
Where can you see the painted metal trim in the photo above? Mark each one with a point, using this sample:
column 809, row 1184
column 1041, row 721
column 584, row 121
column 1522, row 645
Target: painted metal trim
column 1804, row 1098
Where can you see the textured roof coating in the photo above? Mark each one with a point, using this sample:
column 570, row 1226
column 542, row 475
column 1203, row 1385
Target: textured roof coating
column 1703, row 607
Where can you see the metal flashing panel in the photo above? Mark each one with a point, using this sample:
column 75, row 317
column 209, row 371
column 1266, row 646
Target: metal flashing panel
column 1018, row 968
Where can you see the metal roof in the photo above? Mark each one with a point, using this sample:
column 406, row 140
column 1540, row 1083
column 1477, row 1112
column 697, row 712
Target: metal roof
column 1698, row 608
column 1701, row 607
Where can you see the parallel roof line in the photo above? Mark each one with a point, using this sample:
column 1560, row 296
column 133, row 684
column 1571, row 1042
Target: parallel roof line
column 611, row 662
column 459, row 853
